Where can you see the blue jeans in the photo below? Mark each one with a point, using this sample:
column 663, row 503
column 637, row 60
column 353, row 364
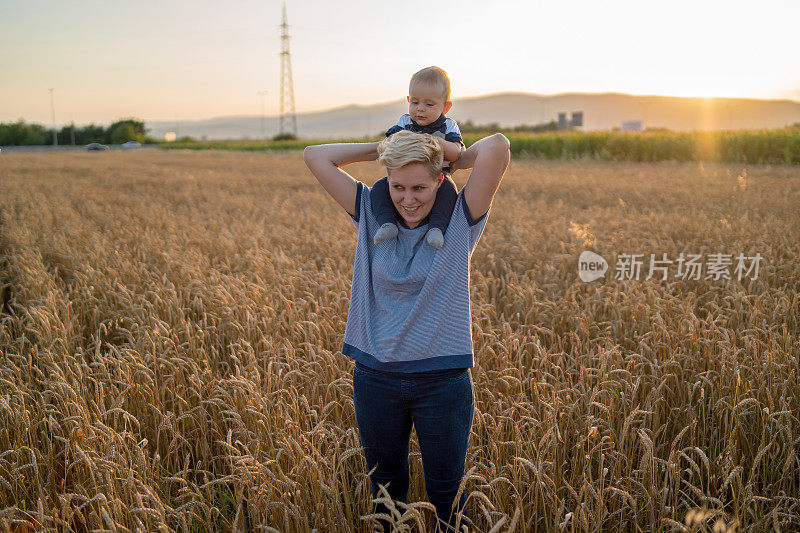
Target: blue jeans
column 440, row 405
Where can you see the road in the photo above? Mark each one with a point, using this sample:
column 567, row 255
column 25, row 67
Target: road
column 65, row 148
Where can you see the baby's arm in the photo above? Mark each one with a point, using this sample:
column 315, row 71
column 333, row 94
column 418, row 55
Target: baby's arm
column 452, row 144
column 452, row 150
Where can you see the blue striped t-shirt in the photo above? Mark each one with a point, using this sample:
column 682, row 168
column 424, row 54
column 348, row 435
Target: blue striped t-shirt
column 443, row 127
column 409, row 302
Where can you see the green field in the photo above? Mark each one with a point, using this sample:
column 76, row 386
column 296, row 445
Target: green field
column 773, row 147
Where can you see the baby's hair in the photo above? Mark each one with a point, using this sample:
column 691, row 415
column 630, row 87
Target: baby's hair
column 406, row 147
column 432, row 75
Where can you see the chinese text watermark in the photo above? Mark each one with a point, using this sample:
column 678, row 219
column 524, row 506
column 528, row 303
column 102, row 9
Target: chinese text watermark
column 715, row 267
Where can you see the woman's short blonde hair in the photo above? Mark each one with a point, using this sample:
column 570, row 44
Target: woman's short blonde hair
column 406, row 147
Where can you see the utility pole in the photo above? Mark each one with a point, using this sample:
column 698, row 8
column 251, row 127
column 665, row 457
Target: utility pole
column 263, row 95
column 53, row 118
column 72, row 129
column 288, row 121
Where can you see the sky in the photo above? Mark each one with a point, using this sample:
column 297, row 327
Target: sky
column 182, row 59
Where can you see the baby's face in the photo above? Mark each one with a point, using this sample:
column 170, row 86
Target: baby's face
column 427, row 102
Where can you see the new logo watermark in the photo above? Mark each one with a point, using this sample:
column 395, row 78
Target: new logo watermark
column 716, row 267
column 591, row 266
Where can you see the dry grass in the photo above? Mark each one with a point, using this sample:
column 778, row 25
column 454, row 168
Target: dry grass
column 171, row 327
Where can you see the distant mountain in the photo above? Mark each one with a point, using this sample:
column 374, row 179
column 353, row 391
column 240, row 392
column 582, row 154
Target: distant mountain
column 601, row 112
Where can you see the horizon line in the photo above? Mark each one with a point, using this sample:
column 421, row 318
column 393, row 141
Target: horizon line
column 465, row 98
column 502, row 93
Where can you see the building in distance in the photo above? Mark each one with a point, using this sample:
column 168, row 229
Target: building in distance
column 631, row 125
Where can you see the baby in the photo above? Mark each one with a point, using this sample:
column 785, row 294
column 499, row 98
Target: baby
column 428, row 101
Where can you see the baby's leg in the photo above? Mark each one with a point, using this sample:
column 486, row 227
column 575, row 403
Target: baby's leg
column 441, row 211
column 383, row 209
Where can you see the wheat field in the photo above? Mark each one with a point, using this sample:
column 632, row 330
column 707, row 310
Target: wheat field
column 172, row 323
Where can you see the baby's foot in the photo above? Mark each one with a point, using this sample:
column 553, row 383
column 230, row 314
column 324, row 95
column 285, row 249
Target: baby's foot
column 385, row 233
column 435, row 237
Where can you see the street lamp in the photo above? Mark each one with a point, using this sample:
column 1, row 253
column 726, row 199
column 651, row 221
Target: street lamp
column 263, row 95
column 53, row 117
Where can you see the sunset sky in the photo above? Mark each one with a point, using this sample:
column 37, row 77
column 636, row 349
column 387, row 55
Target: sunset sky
column 181, row 59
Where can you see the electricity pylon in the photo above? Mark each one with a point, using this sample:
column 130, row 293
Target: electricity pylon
column 288, row 122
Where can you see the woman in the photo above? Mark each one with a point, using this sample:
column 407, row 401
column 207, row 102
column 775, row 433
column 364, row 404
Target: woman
column 408, row 327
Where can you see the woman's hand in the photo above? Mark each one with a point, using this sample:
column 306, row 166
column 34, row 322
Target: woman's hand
column 324, row 161
column 488, row 159
column 465, row 161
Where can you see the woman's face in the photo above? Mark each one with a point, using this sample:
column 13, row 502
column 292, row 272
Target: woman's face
column 413, row 191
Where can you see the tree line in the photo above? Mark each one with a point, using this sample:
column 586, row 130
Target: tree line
column 21, row 133
column 469, row 127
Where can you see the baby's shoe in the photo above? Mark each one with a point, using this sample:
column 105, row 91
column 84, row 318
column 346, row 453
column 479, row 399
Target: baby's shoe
column 435, row 237
column 385, row 233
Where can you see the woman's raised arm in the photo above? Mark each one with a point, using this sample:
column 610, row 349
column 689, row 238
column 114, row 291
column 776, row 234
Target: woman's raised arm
column 324, row 161
column 488, row 159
